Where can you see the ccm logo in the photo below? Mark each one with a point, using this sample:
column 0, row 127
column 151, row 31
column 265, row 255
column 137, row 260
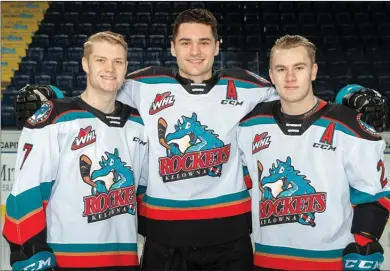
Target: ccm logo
column 136, row 139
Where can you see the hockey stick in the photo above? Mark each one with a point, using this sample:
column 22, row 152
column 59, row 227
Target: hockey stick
column 85, row 170
column 162, row 130
column 260, row 172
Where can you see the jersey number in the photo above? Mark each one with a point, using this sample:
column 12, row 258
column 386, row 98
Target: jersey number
column 381, row 167
column 27, row 148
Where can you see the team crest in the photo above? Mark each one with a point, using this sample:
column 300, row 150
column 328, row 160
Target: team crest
column 112, row 188
column 161, row 102
column 42, row 114
column 288, row 197
column 367, row 128
column 85, row 137
column 261, row 142
column 192, row 150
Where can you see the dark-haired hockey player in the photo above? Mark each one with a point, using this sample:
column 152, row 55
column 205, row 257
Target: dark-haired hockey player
column 196, row 204
column 321, row 199
column 73, row 203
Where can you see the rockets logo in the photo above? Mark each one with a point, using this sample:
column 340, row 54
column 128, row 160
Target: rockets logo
column 42, row 114
column 288, row 196
column 161, row 102
column 85, row 137
column 192, row 150
column 112, row 188
column 261, row 142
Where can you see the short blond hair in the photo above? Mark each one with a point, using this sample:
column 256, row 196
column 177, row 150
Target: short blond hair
column 293, row 41
column 108, row 36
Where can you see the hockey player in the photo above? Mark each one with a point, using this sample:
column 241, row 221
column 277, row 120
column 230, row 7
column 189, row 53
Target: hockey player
column 321, row 196
column 73, row 203
column 196, row 204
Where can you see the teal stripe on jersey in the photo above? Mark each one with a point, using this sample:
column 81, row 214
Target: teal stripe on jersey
column 238, row 84
column 136, row 119
column 339, row 126
column 93, row 247
column 294, row 252
column 74, row 115
column 359, row 197
column 20, row 205
column 141, row 189
column 196, row 203
column 157, row 80
column 258, row 120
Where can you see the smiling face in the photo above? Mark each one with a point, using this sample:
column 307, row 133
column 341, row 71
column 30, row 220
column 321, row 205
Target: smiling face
column 292, row 73
column 195, row 48
column 105, row 66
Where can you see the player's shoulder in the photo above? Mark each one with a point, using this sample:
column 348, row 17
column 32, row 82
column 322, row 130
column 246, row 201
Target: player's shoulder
column 245, row 76
column 351, row 121
column 152, row 73
column 50, row 110
column 131, row 114
column 262, row 113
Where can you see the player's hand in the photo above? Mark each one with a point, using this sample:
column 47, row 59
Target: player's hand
column 371, row 104
column 29, row 99
column 173, row 150
column 100, row 188
column 368, row 257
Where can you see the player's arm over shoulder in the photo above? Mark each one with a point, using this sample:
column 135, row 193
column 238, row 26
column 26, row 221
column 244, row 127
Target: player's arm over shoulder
column 264, row 109
column 352, row 119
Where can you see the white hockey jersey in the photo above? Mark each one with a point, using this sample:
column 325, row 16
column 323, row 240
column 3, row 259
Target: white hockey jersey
column 195, row 194
column 307, row 176
column 76, row 177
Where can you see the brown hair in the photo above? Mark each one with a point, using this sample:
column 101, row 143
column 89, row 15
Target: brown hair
column 110, row 37
column 196, row 15
column 289, row 42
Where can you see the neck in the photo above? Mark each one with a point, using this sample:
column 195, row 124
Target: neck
column 198, row 79
column 103, row 101
column 300, row 107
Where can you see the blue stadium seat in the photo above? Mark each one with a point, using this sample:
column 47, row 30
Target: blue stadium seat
column 126, row 6
column 85, row 28
column 57, row 6
column 286, row 6
column 366, row 80
column 251, row 18
column 88, row 17
column 124, row 17
column 140, row 29
column 110, row 6
column 152, row 63
column 35, row 53
column 321, row 6
column 270, row 18
column 234, row 29
column 78, row 40
column 383, row 29
column 309, row 29
column 269, row 6
column 145, row 7
column 255, row 29
column 290, row 29
column 28, row 67
column 137, row 41
column 197, row 5
column 385, row 41
column 306, row 18
column 253, row 41
column 288, row 18
column 179, row 6
column 162, row 6
column 7, row 116
column 76, row 6
column 361, row 17
column 123, row 28
column 231, row 64
column 53, row 16
column 49, row 67
column 380, row 17
column 304, row 6
column 9, row 96
column 135, row 54
column 233, row 7
column 161, row 17
column 159, row 29
column 143, row 17
column 251, row 7
column 40, row 40
column 103, row 27
column 351, row 41
column 107, row 17
column 370, row 41
column 71, row 67
column 384, row 83
column 340, row 7
column 157, row 41
column 55, row 53
column 47, row 28
column 66, row 28
column 233, row 41
column 75, row 53
column 172, row 64
column 153, row 56
column 60, row 40
column 133, row 66
column 64, row 82
column 346, row 29
column 92, row 6
column 19, row 81
column 81, row 81
column 42, row 79
column 324, row 17
column 72, row 17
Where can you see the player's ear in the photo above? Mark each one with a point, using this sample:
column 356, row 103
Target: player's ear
column 216, row 48
column 173, row 52
column 314, row 71
column 84, row 63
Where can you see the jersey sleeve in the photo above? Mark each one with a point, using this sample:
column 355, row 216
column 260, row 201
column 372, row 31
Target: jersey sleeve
column 125, row 94
column 365, row 170
column 35, row 173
